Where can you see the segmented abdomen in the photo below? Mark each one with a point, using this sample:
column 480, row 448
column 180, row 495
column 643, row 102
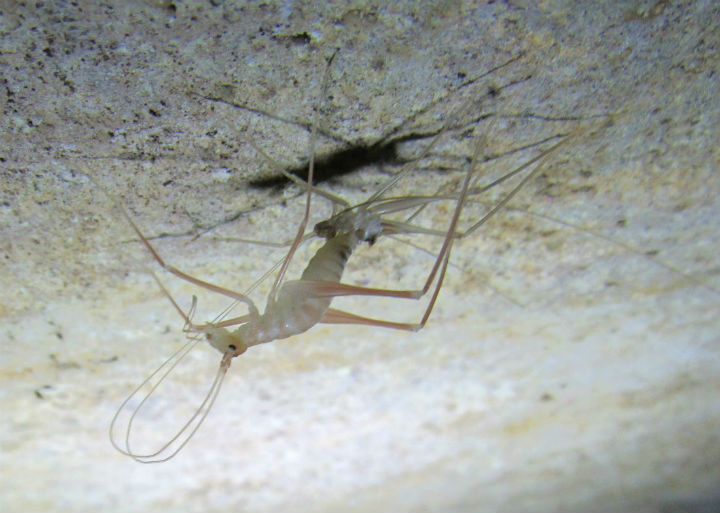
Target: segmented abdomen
column 296, row 310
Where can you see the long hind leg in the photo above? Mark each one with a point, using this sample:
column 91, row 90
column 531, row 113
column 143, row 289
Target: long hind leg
column 174, row 270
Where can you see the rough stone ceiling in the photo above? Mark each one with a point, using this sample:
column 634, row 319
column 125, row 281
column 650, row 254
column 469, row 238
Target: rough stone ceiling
column 566, row 366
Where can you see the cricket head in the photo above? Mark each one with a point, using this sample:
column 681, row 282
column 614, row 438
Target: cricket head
column 366, row 225
column 224, row 340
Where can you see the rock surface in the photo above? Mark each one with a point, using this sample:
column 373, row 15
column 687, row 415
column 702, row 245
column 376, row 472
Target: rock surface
column 566, row 367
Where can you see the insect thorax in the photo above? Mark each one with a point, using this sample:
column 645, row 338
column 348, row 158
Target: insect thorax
column 366, row 225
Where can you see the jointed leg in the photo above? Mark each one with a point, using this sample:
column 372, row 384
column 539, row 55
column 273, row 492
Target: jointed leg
column 332, row 289
column 333, row 316
column 184, row 276
column 319, row 288
column 177, row 272
column 311, row 167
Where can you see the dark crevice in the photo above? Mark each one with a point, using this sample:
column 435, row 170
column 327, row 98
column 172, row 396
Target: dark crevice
column 384, row 151
column 335, row 164
column 345, row 161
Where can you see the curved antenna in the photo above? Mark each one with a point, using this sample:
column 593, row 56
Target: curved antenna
column 447, row 125
column 185, row 349
column 193, row 423
column 699, row 282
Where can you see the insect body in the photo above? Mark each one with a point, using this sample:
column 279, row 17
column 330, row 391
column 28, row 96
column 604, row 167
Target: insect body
column 299, row 305
column 293, row 307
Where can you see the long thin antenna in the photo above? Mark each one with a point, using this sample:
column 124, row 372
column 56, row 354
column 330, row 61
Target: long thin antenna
column 311, row 168
column 193, row 423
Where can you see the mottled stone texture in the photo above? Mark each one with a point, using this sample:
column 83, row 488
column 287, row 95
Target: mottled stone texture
column 573, row 360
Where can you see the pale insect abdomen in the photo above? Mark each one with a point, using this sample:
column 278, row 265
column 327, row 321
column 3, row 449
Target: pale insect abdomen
column 299, row 312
